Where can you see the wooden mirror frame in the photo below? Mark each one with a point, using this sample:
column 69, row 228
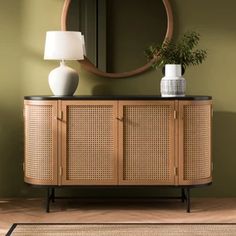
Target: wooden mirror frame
column 91, row 68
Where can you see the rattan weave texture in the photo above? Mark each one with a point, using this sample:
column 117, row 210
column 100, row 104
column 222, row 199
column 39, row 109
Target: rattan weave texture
column 90, row 142
column 126, row 230
column 39, row 142
column 147, row 142
column 197, row 141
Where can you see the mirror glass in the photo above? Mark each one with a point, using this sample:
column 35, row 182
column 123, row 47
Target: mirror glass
column 118, row 31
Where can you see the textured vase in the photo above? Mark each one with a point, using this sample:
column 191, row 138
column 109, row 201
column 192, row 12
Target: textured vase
column 173, row 84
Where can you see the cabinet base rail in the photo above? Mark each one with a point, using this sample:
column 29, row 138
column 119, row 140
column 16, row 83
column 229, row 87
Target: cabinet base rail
column 184, row 197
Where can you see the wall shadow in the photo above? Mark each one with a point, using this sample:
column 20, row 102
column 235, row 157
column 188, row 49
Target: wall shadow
column 224, row 155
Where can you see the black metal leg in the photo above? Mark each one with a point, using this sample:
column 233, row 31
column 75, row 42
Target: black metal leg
column 183, row 196
column 48, row 200
column 53, row 195
column 188, row 200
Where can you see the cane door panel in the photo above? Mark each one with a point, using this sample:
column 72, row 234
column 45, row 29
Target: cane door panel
column 146, row 142
column 89, row 142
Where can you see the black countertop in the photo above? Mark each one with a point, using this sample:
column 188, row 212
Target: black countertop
column 117, row 97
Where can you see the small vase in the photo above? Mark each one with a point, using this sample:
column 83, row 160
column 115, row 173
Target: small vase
column 173, row 84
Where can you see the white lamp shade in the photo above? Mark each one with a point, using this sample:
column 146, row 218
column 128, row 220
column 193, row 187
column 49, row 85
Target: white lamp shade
column 64, row 45
column 83, row 45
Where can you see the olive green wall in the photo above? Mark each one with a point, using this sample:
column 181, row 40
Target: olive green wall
column 24, row 72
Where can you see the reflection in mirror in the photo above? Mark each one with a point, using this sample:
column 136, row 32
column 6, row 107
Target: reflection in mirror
column 118, row 31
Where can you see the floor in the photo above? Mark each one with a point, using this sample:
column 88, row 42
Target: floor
column 170, row 211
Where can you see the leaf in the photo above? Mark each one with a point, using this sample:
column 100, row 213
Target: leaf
column 181, row 52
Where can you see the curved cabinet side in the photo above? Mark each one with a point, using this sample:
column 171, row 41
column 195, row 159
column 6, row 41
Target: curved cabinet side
column 195, row 161
column 40, row 160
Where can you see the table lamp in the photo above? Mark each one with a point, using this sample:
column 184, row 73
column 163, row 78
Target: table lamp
column 64, row 45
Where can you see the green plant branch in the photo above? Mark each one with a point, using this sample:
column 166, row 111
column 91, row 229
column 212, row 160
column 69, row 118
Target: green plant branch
column 183, row 52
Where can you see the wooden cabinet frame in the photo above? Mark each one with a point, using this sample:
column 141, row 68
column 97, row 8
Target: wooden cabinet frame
column 59, row 119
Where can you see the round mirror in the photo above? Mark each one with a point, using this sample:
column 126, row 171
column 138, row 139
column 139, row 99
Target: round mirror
column 117, row 32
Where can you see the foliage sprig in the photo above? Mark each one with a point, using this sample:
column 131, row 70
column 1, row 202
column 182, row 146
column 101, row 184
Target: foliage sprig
column 182, row 52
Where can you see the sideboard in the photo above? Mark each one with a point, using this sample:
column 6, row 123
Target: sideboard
column 118, row 141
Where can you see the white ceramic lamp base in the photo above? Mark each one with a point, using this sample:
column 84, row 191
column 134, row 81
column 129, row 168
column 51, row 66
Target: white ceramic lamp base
column 63, row 80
